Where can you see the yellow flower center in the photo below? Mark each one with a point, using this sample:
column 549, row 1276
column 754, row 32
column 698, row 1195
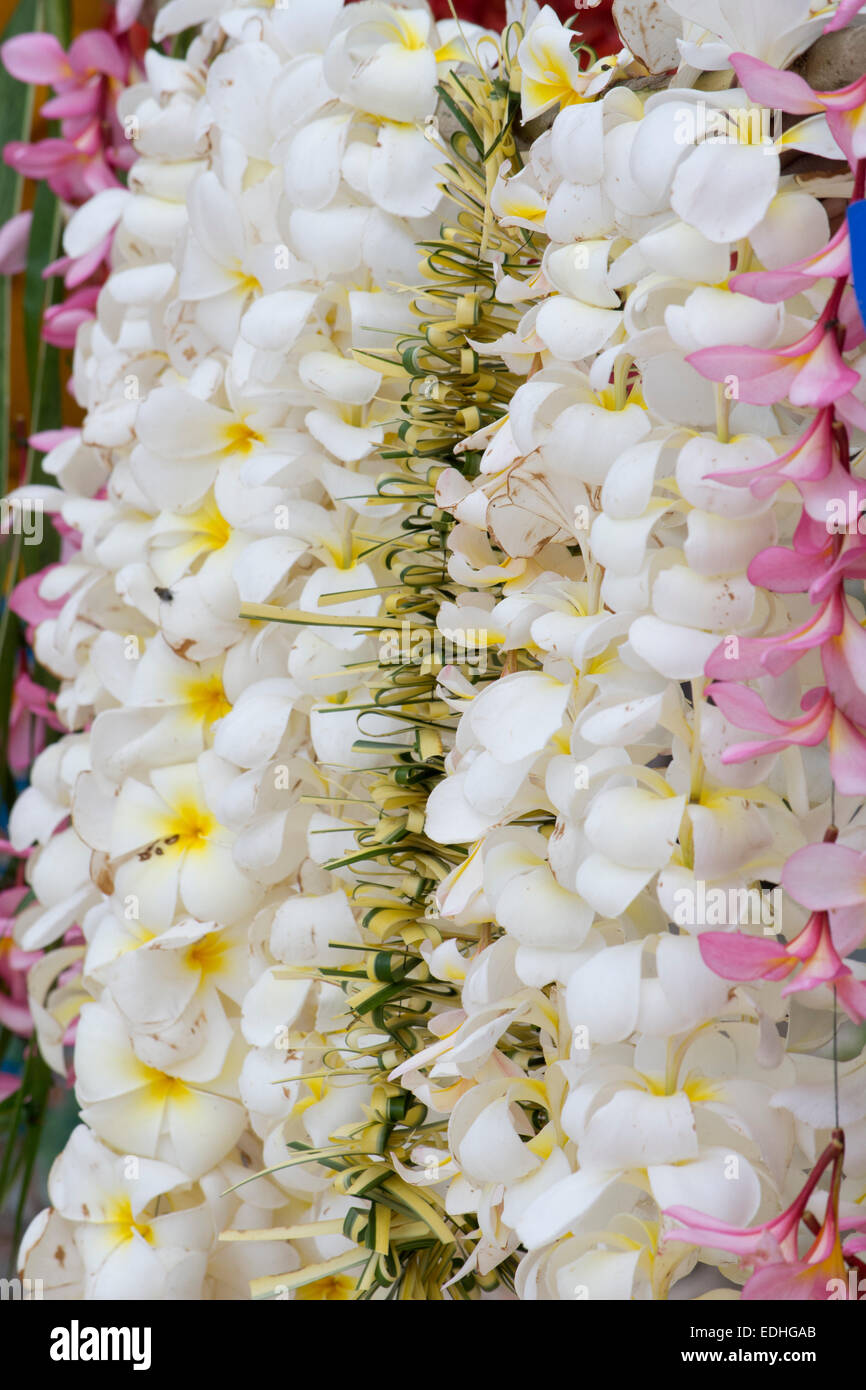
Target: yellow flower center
column 240, row 438
column 247, row 284
column 160, row 1087
column 206, row 699
column 208, row 955
column 121, row 1217
column 190, row 827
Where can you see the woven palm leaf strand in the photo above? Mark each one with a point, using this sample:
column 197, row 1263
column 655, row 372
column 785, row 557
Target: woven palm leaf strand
column 405, row 1245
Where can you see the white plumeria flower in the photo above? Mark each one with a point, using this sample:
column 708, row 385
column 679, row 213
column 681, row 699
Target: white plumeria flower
column 240, row 390
column 776, row 31
column 550, row 73
column 167, row 847
column 180, row 1117
column 380, row 60
column 171, row 706
column 128, row 1251
column 169, row 989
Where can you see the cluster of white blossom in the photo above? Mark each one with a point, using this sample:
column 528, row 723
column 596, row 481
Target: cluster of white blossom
column 228, row 458
column 600, row 1072
column 265, row 262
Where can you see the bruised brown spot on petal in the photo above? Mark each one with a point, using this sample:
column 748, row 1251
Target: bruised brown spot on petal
column 102, row 873
column 60, row 1256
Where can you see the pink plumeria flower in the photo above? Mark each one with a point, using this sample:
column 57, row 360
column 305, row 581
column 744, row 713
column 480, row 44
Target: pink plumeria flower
column 76, row 269
column 845, row 109
column 40, row 59
column 737, row 956
column 833, row 629
column 25, row 600
column 843, row 658
column 834, row 876
column 14, row 965
column 809, row 460
column 832, row 262
column 62, row 321
column 761, row 656
column 80, row 163
column 814, row 465
column 74, row 168
column 817, row 563
column 745, row 709
column 31, row 713
column 772, row 1249
column 810, row 372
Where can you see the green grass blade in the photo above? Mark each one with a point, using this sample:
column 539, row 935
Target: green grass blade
column 16, row 114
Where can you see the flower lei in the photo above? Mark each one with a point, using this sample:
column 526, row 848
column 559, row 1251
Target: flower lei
column 405, row 649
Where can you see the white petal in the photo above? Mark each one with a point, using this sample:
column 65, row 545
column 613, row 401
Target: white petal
column 726, row 190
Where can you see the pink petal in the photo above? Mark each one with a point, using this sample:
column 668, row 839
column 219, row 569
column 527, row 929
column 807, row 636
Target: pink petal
column 96, row 51
column 41, row 160
column 78, row 101
column 852, row 411
column 844, row 662
column 46, row 440
column 756, row 656
column 826, row 876
column 810, row 457
column 848, row 927
column 824, row 377
column 735, row 956
column 769, row 87
column 15, row 1017
column 14, row 239
column 772, row 286
column 846, row 11
column 788, row 1283
column 847, row 756
column 848, row 128
column 98, row 176
column 10, row 899
column 851, row 994
column 81, row 269
column 821, row 962
column 126, row 13
column 763, row 378
column 745, row 709
column 784, row 571
column 62, row 321
column 850, row 98
column 700, row 1229
column 851, row 560
column 25, row 601
column 36, row 58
